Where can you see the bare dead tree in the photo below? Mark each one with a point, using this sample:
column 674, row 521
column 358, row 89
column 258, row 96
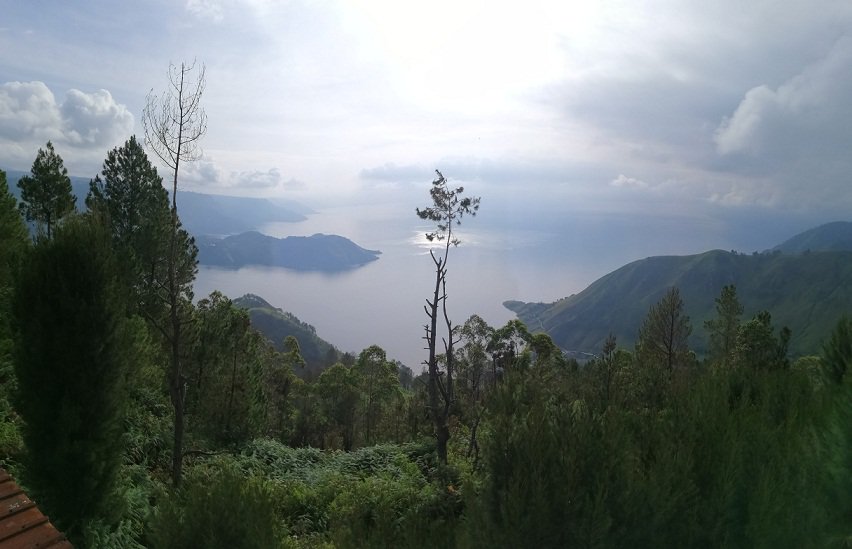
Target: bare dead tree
column 447, row 209
column 174, row 124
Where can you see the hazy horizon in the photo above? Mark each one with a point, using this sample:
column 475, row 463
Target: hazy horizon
column 382, row 302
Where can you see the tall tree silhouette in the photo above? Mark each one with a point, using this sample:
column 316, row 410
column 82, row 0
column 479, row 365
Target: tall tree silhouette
column 449, row 206
column 174, row 124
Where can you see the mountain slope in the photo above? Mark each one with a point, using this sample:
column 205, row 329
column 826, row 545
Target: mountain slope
column 277, row 324
column 806, row 292
column 825, row 238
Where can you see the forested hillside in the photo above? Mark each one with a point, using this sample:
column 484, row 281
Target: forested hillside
column 806, row 291
column 277, row 325
column 138, row 417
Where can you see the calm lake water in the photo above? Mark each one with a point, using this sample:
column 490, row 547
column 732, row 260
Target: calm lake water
column 503, row 255
column 382, row 302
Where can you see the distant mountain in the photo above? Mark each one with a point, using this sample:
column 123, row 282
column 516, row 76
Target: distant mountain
column 320, row 252
column 808, row 292
column 206, row 214
column 210, row 214
column 277, row 324
column 830, row 237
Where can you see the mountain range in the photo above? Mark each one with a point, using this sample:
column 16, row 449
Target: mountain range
column 226, row 231
column 205, row 214
column 805, row 283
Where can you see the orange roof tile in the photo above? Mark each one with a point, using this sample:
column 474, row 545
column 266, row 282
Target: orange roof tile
column 22, row 525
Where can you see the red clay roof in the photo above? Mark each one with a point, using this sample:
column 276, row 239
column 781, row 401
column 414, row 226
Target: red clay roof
column 22, row 525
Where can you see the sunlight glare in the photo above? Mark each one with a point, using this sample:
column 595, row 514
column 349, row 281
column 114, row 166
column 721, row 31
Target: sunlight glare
column 471, row 56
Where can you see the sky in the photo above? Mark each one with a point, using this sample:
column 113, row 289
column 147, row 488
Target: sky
column 713, row 111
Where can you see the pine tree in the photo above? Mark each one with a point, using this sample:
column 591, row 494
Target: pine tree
column 723, row 329
column 46, row 196
column 664, row 336
column 129, row 199
column 449, row 206
column 14, row 241
column 71, row 360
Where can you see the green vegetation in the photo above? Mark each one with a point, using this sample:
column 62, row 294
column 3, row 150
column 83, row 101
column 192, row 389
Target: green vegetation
column 72, row 365
column 449, row 206
column 46, row 193
column 278, row 325
column 503, row 442
column 806, row 292
column 831, row 237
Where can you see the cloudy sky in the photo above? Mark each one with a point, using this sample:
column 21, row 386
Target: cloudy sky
column 720, row 108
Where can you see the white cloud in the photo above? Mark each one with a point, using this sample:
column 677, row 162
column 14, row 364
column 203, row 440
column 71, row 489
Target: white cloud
column 256, row 179
column 200, row 173
column 622, row 181
column 206, row 9
column 810, row 109
column 259, row 179
column 30, row 115
column 28, row 110
column 94, row 119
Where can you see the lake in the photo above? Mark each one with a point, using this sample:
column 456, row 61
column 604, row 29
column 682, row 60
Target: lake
column 382, row 302
column 504, row 255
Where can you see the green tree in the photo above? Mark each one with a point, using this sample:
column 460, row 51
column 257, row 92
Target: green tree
column 379, row 386
column 757, row 346
column 664, row 335
column 449, row 206
column 223, row 372
column 14, row 241
column 837, row 351
column 473, row 361
column 46, row 196
column 606, row 372
column 278, row 384
column 174, row 124
column 13, row 244
column 72, row 361
column 13, row 233
column 128, row 197
column 338, row 392
column 724, row 328
column 662, row 352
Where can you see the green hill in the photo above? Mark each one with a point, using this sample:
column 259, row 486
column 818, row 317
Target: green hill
column 806, row 292
column 277, row 324
column 830, row 237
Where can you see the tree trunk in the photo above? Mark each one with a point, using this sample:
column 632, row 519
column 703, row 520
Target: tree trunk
column 176, row 381
column 231, row 392
column 177, row 397
column 442, row 433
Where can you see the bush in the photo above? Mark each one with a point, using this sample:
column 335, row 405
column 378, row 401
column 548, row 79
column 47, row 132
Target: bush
column 218, row 507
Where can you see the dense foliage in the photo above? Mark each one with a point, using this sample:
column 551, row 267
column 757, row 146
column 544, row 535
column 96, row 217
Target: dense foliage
column 647, row 446
column 72, row 364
